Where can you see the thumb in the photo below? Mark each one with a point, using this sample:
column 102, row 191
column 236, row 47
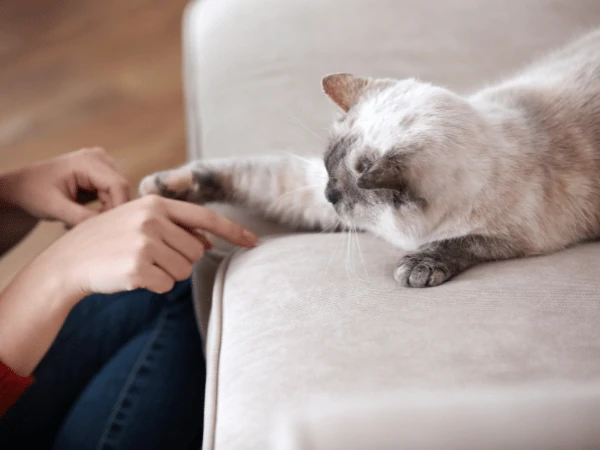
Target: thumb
column 72, row 213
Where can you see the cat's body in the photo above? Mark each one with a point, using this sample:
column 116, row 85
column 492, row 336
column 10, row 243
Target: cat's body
column 511, row 171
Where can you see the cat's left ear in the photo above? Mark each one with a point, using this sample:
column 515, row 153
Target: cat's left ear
column 345, row 89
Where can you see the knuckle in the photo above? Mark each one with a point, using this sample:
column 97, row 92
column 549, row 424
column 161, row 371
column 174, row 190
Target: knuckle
column 148, row 224
column 92, row 151
column 198, row 252
column 184, row 272
column 153, row 202
column 134, row 279
column 143, row 248
column 165, row 286
column 210, row 217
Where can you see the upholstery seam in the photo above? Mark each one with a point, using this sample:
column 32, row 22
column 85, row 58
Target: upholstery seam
column 131, row 378
column 216, row 314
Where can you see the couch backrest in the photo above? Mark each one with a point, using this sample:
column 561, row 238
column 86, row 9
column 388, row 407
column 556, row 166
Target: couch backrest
column 254, row 66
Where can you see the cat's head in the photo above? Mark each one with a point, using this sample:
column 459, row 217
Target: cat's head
column 399, row 148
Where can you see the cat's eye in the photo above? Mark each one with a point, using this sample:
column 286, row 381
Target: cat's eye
column 361, row 165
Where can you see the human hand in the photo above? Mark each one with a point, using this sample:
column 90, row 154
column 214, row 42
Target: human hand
column 52, row 189
column 149, row 243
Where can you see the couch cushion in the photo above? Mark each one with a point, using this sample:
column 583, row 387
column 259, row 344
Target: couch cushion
column 549, row 416
column 300, row 318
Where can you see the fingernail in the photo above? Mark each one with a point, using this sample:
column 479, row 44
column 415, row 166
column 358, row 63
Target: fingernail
column 250, row 237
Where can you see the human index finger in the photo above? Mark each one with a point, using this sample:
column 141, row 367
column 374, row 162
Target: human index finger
column 189, row 215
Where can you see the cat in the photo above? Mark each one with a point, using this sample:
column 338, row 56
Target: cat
column 510, row 171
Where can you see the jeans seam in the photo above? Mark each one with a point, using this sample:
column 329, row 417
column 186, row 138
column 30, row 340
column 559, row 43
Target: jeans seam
column 130, row 380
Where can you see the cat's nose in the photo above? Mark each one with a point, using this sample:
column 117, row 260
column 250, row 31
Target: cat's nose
column 333, row 195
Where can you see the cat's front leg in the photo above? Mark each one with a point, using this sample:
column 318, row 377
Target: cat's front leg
column 439, row 261
column 286, row 189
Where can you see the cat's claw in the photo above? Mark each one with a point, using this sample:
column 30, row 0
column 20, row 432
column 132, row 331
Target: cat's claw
column 421, row 271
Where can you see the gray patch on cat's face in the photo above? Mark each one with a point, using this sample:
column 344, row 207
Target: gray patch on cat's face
column 414, row 136
column 345, row 162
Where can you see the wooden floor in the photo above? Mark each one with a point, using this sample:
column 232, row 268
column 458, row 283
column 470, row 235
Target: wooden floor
column 77, row 73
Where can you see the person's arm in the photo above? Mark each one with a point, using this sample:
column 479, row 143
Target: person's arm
column 52, row 190
column 148, row 243
column 35, row 296
column 12, row 385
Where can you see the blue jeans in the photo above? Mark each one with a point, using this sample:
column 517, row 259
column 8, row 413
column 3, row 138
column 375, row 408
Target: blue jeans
column 125, row 372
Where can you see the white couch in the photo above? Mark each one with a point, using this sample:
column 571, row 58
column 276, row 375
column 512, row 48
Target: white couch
column 307, row 348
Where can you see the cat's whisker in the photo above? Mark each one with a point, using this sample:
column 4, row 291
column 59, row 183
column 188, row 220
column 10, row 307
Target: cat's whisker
column 330, row 228
column 333, row 227
column 360, row 253
column 348, row 262
column 301, row 189
column 313, row 133
column 333, row 254
column 319, row 168
column 353, row 250
column 305, row 160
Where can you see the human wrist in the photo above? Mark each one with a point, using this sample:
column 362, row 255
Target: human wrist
column 33, row 308
column 57, row 275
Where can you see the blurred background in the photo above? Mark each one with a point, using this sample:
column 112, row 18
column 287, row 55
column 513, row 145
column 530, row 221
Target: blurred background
column 81, row 73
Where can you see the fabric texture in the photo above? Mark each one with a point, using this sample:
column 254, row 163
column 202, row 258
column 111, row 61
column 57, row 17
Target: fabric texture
column 286, row 332
column 125, row 372
column 295, row 320
column 12, row 386
column 549, row 416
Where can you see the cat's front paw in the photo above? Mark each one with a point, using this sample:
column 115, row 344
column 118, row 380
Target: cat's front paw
column 175, row 183
column 198, row 185
column 422, row 271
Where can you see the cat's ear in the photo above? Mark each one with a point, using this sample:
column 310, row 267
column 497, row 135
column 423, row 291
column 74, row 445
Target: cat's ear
column 345, row 89
column 387, row 173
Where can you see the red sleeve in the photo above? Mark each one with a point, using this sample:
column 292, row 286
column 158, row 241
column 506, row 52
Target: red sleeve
column 12, row 385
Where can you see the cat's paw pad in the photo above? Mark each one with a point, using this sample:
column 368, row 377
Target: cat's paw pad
column 175, row 184
column 197, row 184
column 421, row 271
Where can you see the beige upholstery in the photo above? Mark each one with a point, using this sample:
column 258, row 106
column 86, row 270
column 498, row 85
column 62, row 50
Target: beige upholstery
column 532, row 416
column 288, row 328
column 296, row 324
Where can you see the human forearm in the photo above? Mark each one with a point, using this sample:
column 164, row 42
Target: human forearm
column 33, row 308
column 148, row 243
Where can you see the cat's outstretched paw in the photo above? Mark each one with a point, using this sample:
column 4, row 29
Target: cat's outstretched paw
column 198, row 185
column 422, row 271
column 171, row 183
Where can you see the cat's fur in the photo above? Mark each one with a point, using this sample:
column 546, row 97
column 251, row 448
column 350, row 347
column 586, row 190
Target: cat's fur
column 511, row 171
